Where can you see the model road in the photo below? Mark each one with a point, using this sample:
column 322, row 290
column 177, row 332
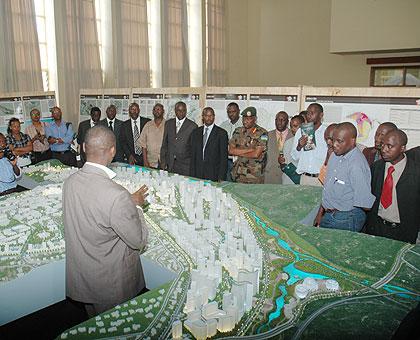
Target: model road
column 395, row 267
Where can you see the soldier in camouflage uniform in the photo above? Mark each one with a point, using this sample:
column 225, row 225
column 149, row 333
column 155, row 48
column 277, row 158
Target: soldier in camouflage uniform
column 249, row 145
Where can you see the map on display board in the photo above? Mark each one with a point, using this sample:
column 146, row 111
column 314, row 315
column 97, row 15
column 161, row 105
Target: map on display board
column 367, row 113
column 10, row 107
column 43, row 103
column 121, row 102
column 146, row 102
column 268, row 105
column 87, row 101
column 193, row 105
column 219, row 103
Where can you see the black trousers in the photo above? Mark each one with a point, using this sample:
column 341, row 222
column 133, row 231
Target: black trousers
column 41, row 156
column 65, row 157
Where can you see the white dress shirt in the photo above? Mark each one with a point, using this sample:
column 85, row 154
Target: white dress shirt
column 312, row 160
column 178, row 123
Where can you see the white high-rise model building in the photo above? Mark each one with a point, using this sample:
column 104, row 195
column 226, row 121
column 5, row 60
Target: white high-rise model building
column 177, row 329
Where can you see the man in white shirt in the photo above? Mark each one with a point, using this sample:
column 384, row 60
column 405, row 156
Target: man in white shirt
column 310, row 161
column 230, row 125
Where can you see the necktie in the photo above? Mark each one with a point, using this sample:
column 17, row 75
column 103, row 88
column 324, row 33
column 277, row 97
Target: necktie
column 110, row 125
column 386, row 196
column 280, row 143
column 136, row 136
column 205, row 136
column 178, row 125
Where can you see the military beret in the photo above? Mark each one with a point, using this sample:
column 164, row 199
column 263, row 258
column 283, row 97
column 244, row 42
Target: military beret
column 250, row 111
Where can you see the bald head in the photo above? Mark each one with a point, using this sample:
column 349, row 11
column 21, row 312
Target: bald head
column 100, row 144
column 344, row 138
column 399, row 135
column 282, row 120
column 349, row 128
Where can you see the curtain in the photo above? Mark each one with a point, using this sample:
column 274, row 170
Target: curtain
column 78, row 59
column 130, row 45
column 20, row 66
column 216, row 50
column 175, row 64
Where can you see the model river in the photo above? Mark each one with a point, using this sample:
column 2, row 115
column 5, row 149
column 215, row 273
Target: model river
column 296, row 275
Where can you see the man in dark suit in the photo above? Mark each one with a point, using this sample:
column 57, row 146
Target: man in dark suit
column 175, row 153
column 95, row 116
column 114, row 124
column 396, row 185
column 209, row 145
column 130, row 135
column 414, row 154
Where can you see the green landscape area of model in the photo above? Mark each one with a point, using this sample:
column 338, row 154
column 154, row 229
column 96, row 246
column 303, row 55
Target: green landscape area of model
column 378, row 278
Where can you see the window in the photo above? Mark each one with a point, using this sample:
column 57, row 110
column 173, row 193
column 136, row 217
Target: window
column 44, row 11
column 395, row 76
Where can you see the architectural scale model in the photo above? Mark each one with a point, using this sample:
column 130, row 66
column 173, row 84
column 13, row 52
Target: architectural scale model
column 245, row 264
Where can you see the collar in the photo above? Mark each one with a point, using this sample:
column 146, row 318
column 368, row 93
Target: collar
column 180, row 120
column 135, row 120
column 210, row 127
column 349, row 153
column 92, row 123
column 400, row 164
column 110, row 120
column 111, row 174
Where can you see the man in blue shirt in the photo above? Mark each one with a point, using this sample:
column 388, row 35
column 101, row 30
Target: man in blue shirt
column 9, row 171
column 347, row 192
column 60, row 136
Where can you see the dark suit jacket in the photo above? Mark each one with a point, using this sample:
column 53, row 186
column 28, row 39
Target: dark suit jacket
column 408, row 196
column 414, row 153
column 214, row 164
column 119, row 156
column 127, row 139
column 81, row 133
column 175, row 153
column 370, row 154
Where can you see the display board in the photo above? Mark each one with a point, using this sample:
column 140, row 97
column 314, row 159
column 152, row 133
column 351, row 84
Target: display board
column 147, row 101
column 87, row 100
column 191, row 100
column 219, row 102
column 121, row 100
column 268, row 105
column 368, row 108
column 10, row 107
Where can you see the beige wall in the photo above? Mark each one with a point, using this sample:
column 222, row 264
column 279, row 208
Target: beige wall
column 372, row 25
column 287, row 43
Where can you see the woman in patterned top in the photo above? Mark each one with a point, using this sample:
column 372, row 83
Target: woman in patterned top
column 19, row 143
column 41, row 147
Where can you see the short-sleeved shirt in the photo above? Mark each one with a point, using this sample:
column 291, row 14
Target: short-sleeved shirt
column 151, row 139
column 24, row 140
column 38, row 146
column 7, row 175
column 347, row 184
column 249, row 170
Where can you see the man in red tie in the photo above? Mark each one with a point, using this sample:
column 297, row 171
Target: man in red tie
column 396, row 185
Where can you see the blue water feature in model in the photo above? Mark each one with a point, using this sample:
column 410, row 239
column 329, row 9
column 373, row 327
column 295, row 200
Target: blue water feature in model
column 279, row 304
column 394, row 289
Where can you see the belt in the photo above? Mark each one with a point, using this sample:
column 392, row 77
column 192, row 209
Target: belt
column 330, row 211
column 390, row 224
column 310, row 175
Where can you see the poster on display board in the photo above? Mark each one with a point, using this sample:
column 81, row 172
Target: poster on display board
column 268, row 105
column 367, row 113
column 87, row 101
column 44, row 103
column 147, row 101
column 10, row 107
column 220, row 101
column 191, row 100
column 121, row 102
